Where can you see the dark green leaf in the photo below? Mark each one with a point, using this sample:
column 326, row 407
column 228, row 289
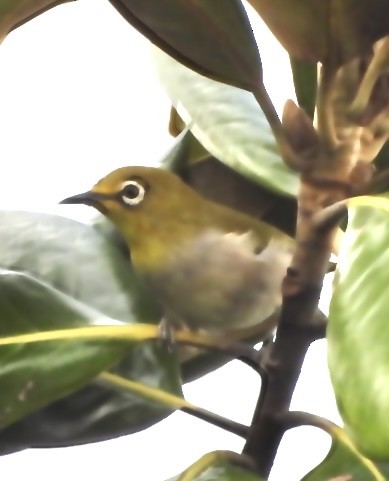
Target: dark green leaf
column 97, row 412
column 16, row 12
column 32, row 375
column 185, row 151
column 58, row 273
column 213, row 38
column 305, row 84
column 315, row 30
column 358, row 330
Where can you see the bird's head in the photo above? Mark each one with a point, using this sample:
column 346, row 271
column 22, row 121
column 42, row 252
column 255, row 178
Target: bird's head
column 142, row 201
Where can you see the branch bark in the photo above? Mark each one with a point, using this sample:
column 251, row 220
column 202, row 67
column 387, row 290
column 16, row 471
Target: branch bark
column 298, row 325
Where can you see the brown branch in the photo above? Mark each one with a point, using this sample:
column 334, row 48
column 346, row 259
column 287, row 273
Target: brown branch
column 299, row 324
column 295, row 419
column 330, row 217
column 281, row 366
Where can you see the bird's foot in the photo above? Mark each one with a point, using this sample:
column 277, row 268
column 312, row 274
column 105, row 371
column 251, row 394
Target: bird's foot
column 167, row 336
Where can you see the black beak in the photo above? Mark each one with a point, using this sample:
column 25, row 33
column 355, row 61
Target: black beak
column 88, row 198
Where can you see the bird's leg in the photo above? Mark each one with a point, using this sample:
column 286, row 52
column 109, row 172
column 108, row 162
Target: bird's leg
column 167, row 335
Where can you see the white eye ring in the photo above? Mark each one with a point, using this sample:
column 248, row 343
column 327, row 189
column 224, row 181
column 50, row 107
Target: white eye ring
column 132, row 192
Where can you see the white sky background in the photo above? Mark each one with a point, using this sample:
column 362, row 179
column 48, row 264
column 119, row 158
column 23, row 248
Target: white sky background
column 79, row 98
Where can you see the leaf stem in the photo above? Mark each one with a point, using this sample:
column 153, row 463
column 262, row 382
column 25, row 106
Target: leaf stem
column 325, row 113
column 290, row 157
column 173, row 401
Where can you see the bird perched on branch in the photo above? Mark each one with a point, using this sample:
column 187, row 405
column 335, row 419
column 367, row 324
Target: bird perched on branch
column 209, row 266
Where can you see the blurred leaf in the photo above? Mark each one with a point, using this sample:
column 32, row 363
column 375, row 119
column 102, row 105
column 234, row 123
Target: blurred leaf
column 228, row 122
column 219, row 466
column 344, row 463
column 221, row 184
column 305, row 84
column 358, row 331
column 213, row 38
column 58, row 273
column 316, row 30
column 185, row 151
column 14, row 13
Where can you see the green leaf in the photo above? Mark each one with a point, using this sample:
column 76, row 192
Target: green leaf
column 33, row 375
column 213, row 38
column 76, row 260
column 186, row 150
column 58, row 273
column 305, row 84
column 228, row 122
column 358, row 331
column 98, row 411
column 343, row 462
column 316, row 30
column 219, row 466
column 14, row 13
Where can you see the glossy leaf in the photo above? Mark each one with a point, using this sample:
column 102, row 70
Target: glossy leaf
column 76, row 260
column 97, row 411
column 344, row 463
column 305, row 84
column 316, row 30
column 228, row 122
column 213, row 38
column 59, row 273
column 358, row 331
column 32, row 375
column 219, row 183
column 219, row 466
column 14, row 13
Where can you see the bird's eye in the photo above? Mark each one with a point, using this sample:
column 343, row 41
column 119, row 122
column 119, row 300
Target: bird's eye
column 132, row 192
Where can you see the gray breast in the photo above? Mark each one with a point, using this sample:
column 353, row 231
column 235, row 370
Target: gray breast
column 219, row 281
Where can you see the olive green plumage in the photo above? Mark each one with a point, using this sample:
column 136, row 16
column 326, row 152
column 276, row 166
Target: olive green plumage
column 209, row 266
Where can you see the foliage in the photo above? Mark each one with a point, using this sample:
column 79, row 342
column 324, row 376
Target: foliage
column 74, row 341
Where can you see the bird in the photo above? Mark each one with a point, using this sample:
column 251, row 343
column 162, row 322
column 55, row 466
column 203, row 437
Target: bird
column 210, row 267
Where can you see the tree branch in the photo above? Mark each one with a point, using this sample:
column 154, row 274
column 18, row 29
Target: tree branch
column 295, row 419
column 299, row 324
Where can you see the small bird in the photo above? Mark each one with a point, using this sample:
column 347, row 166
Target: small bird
column 210, row 267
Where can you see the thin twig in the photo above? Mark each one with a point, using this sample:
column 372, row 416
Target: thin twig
column 219, row 421
column 295, row 419
column 237, row 350
column 330, row 216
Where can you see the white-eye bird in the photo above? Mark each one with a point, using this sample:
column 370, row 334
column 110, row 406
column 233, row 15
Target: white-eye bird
column 209, row 266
